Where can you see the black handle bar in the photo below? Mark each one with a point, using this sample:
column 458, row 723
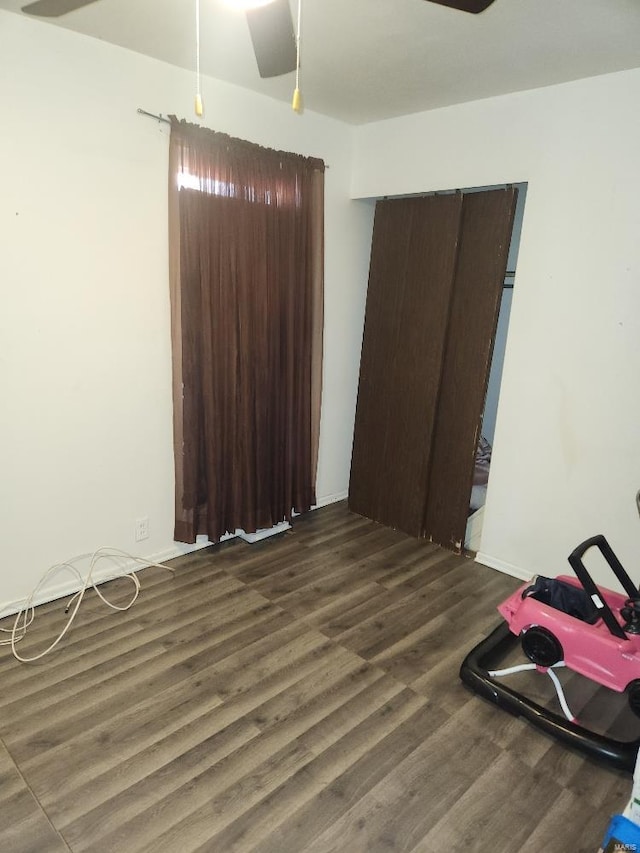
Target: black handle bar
column 575, row 560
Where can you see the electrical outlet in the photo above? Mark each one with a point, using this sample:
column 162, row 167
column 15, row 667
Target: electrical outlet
column 142, row 528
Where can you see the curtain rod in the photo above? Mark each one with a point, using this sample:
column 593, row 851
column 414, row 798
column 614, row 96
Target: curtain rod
column 168, row 121
column 153, row 115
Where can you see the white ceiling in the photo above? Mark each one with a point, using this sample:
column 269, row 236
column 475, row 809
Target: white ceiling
column 364, row 60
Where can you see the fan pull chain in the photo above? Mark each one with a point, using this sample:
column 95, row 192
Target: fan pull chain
column 296, row 103
column 198, row 104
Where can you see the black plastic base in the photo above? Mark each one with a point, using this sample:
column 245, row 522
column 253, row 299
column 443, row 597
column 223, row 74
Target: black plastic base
column 486, row 656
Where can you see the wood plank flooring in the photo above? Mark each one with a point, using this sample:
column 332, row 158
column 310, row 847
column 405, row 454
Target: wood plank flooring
column 299, row 695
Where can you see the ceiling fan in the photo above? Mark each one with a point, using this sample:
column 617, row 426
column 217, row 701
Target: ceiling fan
column 270, row 25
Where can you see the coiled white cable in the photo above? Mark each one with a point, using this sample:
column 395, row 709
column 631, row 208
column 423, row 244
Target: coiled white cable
column 25, row 617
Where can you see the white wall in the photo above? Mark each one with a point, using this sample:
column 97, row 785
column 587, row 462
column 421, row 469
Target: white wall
column 85, row 357
column 566, row 461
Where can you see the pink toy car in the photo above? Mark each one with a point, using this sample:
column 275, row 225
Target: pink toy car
column 596, row 632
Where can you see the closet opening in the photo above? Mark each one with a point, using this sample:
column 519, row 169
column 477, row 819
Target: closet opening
column 486, row 440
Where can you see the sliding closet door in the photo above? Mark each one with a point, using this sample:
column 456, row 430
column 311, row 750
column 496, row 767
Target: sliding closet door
column 411, row 276
column 435, row 280
column 485, row 234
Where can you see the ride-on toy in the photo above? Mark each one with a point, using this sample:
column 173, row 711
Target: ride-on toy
column 567, row 621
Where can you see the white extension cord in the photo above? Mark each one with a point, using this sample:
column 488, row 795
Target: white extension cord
column 26, row 615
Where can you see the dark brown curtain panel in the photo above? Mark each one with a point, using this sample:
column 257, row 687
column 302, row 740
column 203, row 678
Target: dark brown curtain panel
column 246, row 274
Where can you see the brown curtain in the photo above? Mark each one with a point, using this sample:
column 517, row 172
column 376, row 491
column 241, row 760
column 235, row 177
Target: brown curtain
column 246, row 278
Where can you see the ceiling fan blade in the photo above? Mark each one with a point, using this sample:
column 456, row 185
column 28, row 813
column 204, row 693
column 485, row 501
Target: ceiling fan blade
column 473, row 6
column 274, row 42
column 54, row 8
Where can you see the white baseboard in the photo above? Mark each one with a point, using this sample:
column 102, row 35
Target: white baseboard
column 62, row 588
column 55, row 589
column 325, row 500
column 502, row 566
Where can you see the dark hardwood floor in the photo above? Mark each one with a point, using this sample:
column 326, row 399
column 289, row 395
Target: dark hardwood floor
column 300, row 695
